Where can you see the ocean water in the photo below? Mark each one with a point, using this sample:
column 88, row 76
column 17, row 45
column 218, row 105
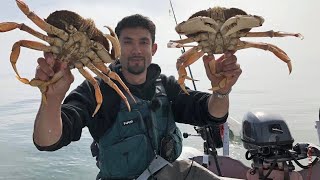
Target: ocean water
column 264, row 84
column 19, row 159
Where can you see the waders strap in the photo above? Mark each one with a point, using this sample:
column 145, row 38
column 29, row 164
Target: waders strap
column 156, row 164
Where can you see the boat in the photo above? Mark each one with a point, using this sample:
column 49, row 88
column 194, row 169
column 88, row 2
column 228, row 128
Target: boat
column 270, row 148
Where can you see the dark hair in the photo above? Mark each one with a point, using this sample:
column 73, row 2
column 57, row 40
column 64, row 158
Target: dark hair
column 137, row 20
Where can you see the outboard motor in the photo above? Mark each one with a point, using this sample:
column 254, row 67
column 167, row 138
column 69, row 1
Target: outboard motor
column 266, row 132
column 269, row 145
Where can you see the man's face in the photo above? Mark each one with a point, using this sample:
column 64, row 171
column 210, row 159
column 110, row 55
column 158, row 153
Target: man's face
column 136, row 49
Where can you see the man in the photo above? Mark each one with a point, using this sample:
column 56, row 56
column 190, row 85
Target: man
column 129, row 141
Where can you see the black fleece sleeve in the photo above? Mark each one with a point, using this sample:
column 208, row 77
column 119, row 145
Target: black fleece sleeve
column 77, row 110
column 190, row 109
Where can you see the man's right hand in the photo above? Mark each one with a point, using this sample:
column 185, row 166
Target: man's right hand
column 48, row 122
column 47, row 67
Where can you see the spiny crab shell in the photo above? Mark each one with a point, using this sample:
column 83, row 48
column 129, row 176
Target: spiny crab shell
column 222, row 37
column 218, row 30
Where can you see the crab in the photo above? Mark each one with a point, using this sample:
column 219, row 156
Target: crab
column 72, row 40
column 218, row 30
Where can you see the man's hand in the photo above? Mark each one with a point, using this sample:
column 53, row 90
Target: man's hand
column 226, row 67
column 46, row 68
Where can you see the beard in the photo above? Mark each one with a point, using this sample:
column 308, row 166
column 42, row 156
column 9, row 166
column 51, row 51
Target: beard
column 138, row 67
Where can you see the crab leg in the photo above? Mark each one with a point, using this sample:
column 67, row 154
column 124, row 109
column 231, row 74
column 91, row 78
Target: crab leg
column 268, row 47
column 40, row 22
column 212, row 68
column 94, row 83
column 114, row 41
column 114, row 76
column 273, row 34
column 221, row 85
column 42, row 85
column 8, row 26
column 102, row 52
column 107, row 80
column 240, row 22
column 101, row 66
column 182, row 42
column 185, row 60
column 28, row 44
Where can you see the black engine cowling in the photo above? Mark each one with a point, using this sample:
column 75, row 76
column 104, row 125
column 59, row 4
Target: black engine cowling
column 260, row 129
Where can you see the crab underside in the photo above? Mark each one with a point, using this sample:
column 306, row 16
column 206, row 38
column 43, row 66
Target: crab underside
column 218, row 30
column 72, row 40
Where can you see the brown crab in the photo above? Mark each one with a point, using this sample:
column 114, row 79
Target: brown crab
column 218, row 30
column 73, row 40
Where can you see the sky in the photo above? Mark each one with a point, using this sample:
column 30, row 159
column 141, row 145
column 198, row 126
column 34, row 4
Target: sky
column 260, row 68
column 284, row 15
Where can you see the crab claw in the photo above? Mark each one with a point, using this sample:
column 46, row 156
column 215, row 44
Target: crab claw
column 23, row 7
column 220, row 85
column 40, row 22
column 176, row 44
column 196, row 25
column 240, row 22
column 114, row 41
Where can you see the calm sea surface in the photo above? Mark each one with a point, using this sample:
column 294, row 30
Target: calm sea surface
column 264, row 85
column 19, row 159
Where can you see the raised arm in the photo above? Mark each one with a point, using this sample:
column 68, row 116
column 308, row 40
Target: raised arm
column 226, row 66
column 48, row 123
